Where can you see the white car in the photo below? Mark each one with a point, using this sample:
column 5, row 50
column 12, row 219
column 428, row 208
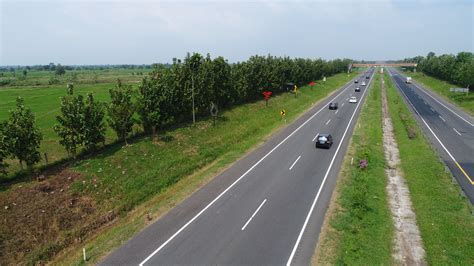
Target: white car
column 363, row 83
column 353, row 100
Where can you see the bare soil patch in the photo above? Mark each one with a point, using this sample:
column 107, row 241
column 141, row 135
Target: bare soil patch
column 46, row 214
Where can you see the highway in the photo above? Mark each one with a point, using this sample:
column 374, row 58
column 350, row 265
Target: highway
column 449, row 129
column 267, row 208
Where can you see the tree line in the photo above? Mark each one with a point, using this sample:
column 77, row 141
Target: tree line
column 457, row 69
column 168, row 95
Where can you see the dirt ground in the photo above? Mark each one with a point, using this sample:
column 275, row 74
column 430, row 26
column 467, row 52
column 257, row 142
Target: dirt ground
column 40, row 218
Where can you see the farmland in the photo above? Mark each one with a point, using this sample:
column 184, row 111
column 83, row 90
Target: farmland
column 44, row 100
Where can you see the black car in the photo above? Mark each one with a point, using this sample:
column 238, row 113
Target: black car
column 324, row 141
column 367, row 77
column 333, row 106
column 357, row 89
column 356, row 81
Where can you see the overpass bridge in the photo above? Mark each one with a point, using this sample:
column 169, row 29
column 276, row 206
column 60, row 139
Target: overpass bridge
column 385, row 64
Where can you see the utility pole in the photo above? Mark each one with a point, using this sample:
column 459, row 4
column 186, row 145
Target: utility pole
column 192, row 95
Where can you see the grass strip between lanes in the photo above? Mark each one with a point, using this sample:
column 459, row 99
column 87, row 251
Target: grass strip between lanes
column 148, row 179
column 441, row 87
column 443, row 215
column 358, row 228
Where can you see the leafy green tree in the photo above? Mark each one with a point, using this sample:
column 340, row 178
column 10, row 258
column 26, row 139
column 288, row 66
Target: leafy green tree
column 94, row 125
column 22, row 134
column 60, row 70
column 71, row 121
column 121, row 110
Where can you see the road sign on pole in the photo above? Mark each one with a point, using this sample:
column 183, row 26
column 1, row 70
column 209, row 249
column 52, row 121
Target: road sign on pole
column 283, row 114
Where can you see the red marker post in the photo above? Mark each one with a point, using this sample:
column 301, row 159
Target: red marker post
column 266, row 96
column 312, row 83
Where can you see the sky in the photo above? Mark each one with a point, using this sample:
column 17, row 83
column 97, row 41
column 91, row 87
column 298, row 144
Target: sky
column 87, row 32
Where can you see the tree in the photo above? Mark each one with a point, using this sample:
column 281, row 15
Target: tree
column 60, row 70
column 94, row 125
column 121, row 110
column 23, row 135
column 3, row 150
column 71, row 121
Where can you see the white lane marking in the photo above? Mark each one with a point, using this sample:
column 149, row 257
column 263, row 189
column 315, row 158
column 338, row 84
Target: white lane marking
column 337, row 111
column 347, row 99
column 328, row 122
column 245, row 225
column 315, row 136
column 444, row 120
column 324, row 181
column 238, row 179
column 342, row 104
column 423, row 90
column 457, row 131
column 432, row 110
column 432, row 132
column 291, row 167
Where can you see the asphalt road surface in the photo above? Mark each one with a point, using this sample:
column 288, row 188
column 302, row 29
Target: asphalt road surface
column 450, row 130
column 267, row 208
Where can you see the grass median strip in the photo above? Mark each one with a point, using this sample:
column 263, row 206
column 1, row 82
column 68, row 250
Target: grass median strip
column 443, row 215
column 122, row 189
column 358, row 224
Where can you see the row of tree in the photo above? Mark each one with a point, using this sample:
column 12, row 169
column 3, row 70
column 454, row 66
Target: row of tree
column 168, row 95
column 457, row 69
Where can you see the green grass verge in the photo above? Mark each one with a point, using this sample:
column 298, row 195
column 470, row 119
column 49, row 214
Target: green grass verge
column 360, row 229
column 466, row 102
column 143, row 178
column 443, row 215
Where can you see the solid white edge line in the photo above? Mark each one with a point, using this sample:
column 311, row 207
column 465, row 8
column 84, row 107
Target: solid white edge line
column 243, row 228
column 291, row 167
column 423, row 90
column 328, row 122
column 457, row 131
column 426, row 124
column 347, row 85
column 324, row 181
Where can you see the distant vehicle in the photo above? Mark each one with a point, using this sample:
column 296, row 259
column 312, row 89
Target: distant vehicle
column 356, row 81
column 357, row 89
column 324, row 141
column 333, row 106
column 408, row 80
column 363, row 83
column 367, row 77
column 353, row 99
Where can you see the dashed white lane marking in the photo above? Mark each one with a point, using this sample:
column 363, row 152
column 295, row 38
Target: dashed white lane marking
column 457, row 131
column 336, row 111
column 328, row 122
column 291, row 167
column 315, row 137
column 444, row 120
column 253, row 215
